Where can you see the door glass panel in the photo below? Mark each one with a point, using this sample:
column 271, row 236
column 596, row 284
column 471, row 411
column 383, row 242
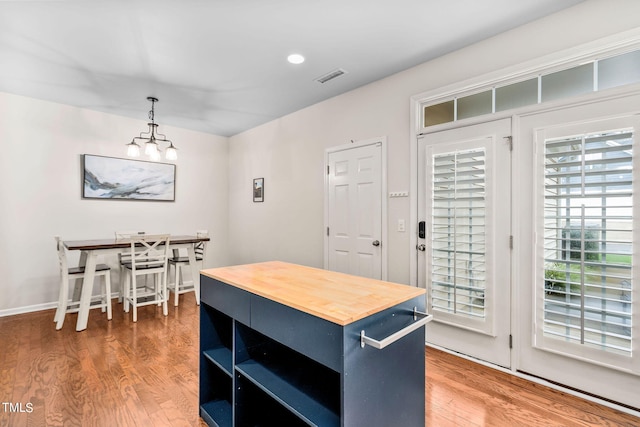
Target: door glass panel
column 517, row 95
column 588, row 240
column 571, row 82
column 439, row 113
column 458, row 262
column 475, row 105
column 619, row 70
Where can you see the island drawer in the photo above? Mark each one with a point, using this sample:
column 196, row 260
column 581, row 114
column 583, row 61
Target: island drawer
column 233, row 302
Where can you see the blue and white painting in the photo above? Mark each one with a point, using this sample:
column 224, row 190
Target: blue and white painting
column 113, row 178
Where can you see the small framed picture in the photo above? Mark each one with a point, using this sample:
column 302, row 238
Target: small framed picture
column 258, row 190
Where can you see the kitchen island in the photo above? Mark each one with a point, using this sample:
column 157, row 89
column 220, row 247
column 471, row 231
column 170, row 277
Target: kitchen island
column 286, row 345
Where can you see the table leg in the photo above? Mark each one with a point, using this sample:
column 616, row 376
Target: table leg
column 77, row 287
column 195, row 276
column 87, row 285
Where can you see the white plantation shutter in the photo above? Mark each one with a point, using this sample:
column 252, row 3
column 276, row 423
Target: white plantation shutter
column 458, row 235
column 588, row 241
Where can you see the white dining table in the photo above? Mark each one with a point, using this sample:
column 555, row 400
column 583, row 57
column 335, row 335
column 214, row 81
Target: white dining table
column 91, row 249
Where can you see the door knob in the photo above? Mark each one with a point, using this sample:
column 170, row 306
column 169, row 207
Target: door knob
column 376, row 243
column 421, row 247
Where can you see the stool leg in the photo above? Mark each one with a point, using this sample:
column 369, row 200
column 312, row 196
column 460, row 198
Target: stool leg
column 125, row 295
column 162, row 277
column 157, row 288
column 62, row 303
column 177, row 284
column 58, row 307
column 134, row 297
column 107, row 294
column 103, row 293
column 121, row 295
column 196, row 287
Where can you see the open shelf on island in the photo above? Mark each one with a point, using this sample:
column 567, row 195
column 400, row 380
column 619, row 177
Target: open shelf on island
column 304, row 386
column 217, row 412
column 288, row 394
column 216, row 364
column 222, row 357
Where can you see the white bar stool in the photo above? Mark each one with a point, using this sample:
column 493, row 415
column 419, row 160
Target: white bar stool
column 67, row 305
column 179, row 286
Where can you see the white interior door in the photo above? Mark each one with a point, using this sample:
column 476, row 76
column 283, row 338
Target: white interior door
column 465, row 202
column 354, row 211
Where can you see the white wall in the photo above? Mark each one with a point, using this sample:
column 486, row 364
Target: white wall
column 288, row 152
column 40, row 192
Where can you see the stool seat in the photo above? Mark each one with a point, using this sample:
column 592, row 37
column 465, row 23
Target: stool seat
column 183, row 259
column 129, row 265
column 80, row 270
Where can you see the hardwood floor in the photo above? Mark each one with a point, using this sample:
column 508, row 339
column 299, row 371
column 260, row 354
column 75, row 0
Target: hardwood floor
column 462, row 393
column 121, row 373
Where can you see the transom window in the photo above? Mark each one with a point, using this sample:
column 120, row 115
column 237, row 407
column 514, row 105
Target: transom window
column 599, row 74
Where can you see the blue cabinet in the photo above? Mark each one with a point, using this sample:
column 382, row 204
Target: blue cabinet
column 265, row 363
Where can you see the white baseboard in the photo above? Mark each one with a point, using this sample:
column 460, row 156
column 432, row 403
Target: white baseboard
column 37, row 307
column 28, row 309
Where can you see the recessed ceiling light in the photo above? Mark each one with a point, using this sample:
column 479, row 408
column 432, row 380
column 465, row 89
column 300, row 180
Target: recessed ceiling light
column 295, row 58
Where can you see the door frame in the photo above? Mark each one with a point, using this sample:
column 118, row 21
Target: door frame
column 382, row 141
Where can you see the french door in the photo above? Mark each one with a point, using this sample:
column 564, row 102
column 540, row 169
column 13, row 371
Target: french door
column 464, row 203
column 578, row 245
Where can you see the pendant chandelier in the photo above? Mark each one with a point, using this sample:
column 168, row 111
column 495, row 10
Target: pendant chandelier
column 150, row 140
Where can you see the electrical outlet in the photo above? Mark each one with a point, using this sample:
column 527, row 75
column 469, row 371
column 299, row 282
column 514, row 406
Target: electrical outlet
column 401, row 227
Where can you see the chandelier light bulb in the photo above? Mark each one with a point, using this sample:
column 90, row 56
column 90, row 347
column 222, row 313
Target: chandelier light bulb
column 171, row 153
column 150, row 148
column 133, row 149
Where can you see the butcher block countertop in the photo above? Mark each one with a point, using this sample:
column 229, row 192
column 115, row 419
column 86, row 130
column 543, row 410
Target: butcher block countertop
column 336, row 297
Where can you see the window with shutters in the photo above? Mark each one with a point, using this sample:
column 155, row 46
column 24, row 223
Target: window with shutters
column 458, row 235
column 588, row 243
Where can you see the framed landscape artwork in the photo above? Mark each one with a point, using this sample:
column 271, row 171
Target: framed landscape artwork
column 114, row 178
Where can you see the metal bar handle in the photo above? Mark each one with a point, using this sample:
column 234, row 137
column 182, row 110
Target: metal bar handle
column 365, row 340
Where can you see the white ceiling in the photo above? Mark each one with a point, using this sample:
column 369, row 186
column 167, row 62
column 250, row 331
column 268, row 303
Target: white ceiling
column 219, row 66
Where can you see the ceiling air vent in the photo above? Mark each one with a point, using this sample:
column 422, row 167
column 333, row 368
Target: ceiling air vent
column 331, row 75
